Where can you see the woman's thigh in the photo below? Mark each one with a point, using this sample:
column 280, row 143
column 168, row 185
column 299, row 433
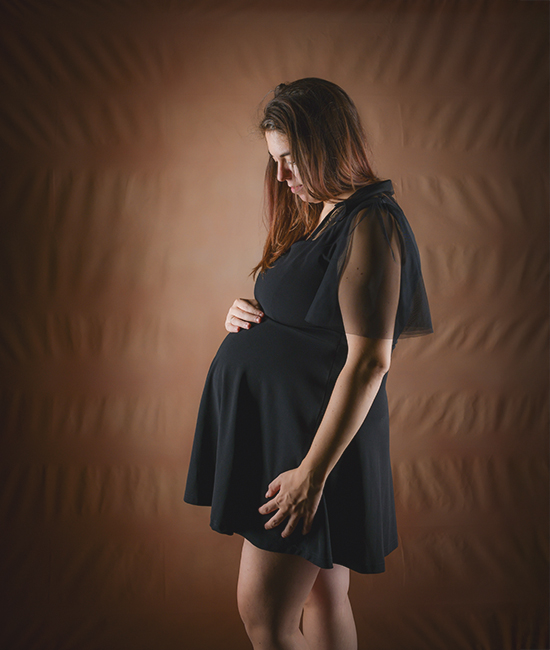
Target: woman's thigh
column 331, row 588
column 273, row 587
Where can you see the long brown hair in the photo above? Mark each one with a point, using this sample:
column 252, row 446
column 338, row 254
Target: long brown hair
column 326, row 142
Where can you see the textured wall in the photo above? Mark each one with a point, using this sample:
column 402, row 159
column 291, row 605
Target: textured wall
column 131, row 216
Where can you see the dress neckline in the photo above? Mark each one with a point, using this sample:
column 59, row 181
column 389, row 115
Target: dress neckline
column 347, row 205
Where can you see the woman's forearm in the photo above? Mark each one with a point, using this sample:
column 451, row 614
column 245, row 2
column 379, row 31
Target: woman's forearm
column 351, row 399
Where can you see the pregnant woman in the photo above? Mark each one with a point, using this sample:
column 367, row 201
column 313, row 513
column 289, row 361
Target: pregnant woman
column 291, row 449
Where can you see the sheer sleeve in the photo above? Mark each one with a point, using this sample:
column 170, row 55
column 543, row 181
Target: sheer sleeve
column 373, row 284
column 370, row 274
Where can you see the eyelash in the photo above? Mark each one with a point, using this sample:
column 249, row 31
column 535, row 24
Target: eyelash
column 289, row 162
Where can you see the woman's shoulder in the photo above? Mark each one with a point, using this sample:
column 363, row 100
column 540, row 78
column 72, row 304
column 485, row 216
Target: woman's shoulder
column 364, row 201
column 369, row 193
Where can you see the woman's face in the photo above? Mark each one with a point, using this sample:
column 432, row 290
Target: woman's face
column 278, row 147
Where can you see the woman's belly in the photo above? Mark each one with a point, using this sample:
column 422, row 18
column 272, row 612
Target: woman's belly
column 285, row 374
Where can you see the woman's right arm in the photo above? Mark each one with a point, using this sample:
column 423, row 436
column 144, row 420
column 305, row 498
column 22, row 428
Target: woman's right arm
column 242, row 313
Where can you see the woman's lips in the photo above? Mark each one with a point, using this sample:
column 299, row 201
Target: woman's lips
column 295, row 188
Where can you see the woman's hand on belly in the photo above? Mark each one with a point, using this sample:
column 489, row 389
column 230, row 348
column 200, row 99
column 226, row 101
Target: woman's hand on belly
column 296, row 495
column 242, row 313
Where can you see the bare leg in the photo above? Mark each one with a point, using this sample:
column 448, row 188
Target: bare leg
column 271, row 593
column 328, row 622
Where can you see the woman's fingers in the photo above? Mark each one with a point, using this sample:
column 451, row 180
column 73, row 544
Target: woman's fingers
column 273, row 488
column 292, row 497
column 242, row 313
column 249, row 304
column 249, row 316
column 280, row 516
column 248, row 308
column 235, row 324
column 282, row 513
column 289, row 528
column 275, row 521
column 308, row 522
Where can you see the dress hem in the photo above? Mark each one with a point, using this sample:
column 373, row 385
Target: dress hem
column 379, row 567
column 373, row 569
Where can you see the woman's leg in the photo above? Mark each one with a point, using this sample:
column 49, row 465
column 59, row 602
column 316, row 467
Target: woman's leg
column 328, row 622
column 271, row 593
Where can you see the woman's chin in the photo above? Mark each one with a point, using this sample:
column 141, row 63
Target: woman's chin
column 304, row 196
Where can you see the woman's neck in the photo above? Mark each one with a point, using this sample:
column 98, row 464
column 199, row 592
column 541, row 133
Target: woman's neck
column 329, row 205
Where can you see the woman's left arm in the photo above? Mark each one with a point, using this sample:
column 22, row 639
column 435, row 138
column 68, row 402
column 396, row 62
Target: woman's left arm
column 295, row 494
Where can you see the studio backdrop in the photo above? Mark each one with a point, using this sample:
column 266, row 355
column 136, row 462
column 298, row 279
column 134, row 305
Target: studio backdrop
column 131, row 217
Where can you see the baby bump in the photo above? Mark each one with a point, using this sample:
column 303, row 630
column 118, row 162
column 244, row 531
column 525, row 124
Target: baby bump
column 289, row 372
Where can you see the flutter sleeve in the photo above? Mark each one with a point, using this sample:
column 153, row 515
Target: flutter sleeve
column 377, row 275
column 370, row 275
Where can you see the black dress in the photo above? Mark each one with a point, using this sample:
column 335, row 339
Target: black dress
column 268, row 387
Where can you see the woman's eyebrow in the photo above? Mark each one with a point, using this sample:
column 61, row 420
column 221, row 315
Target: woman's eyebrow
column 283, row 155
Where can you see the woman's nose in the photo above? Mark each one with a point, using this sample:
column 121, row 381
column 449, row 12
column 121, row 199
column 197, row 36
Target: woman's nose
column 283, row 172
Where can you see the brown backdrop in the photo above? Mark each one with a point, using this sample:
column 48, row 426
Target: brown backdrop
column 130, row 209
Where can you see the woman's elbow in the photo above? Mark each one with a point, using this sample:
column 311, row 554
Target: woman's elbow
column 369, row 358
column 369, row 368
column 377, row 365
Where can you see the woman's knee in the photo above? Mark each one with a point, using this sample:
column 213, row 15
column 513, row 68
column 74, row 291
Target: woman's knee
column 265, row 624
column 252, row 611
column 260, row 613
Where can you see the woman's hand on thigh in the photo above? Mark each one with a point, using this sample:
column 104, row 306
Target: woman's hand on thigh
column 293, row 495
